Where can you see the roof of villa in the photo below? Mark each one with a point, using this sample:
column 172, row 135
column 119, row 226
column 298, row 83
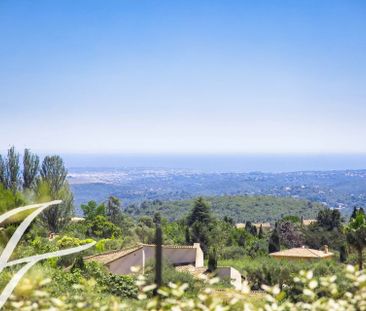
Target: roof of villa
column 108, row 257
column 302, row 252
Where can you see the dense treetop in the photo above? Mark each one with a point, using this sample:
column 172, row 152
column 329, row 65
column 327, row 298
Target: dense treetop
column 239, row 208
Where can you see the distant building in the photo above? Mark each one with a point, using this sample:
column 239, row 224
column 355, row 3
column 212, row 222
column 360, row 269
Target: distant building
column 302, row 253
column 308, row 222
column 266, row 226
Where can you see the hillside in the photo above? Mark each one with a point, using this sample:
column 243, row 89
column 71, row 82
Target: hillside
column 240, row 208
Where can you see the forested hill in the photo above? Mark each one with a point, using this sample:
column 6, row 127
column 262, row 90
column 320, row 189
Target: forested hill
column 240, row 208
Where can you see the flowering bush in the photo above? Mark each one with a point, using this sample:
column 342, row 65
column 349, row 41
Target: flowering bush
column 316, row 294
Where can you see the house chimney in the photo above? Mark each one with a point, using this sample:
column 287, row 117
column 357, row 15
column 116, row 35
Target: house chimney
column 326, row 250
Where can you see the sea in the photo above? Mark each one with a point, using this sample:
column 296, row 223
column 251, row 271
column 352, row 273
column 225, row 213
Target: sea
column 271, row 163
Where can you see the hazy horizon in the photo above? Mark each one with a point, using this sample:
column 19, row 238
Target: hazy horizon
column 221, row 162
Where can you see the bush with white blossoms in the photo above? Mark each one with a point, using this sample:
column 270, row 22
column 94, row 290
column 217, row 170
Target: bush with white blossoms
column 316, row 294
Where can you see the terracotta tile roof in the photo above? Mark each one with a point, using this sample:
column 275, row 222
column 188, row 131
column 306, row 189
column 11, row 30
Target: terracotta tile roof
column 302, row 252
column 111, row 256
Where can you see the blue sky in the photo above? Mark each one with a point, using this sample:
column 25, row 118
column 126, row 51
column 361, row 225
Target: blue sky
column 183, row 76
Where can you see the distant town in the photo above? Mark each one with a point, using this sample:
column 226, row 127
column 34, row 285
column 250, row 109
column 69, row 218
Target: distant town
column 336, row 189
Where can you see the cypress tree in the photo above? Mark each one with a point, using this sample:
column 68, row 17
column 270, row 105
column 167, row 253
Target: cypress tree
column 260, row 233
column 274, row 241
column 212, row 260
column 158, row 253
column 354, row 213
column 343, row 253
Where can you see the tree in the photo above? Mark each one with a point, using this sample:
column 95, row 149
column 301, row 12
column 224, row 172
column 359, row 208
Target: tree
column 54, row 173
column 201, row 212
column 158, row 253
column 260, row 233
column 343, row 253
column 30, row 169
column 250, row 228
column 3, row 180
column 356, row 235
column 242, row 238
column 187, row 235
column 212, row 260
column 274, row 241
column 92, row 210
column 100, row 227
column 200, row 222
column 289, row 235
column 354, row 213
column 12, row 170
column 113, row 209
column 329, row 218
column 54, row 186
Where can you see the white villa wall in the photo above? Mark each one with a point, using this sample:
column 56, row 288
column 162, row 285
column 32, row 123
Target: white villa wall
column 232, row 274
column 123, row 265
column 175, row 256
column 140, row 257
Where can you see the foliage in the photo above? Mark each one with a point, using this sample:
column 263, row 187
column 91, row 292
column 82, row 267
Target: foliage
column 290, row 235
column 113, row 210
column 212, row 260
column 9, row 199
column 171, row 275
column 68, row 242
column 53, row 185
column 200, row 222
column 30, row 169
column 356, row 235
column 92, row 210
column 100, row 227
column 315, row 292
column 274, row 241
column 239, row 208
column 250, row 228
column 343, row 253
column 121, row 285
column 12, row 170
column 329, row 218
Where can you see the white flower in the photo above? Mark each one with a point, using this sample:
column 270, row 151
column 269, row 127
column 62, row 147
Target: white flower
column 313, row 284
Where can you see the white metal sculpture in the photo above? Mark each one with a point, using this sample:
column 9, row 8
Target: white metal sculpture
column 31, row 260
